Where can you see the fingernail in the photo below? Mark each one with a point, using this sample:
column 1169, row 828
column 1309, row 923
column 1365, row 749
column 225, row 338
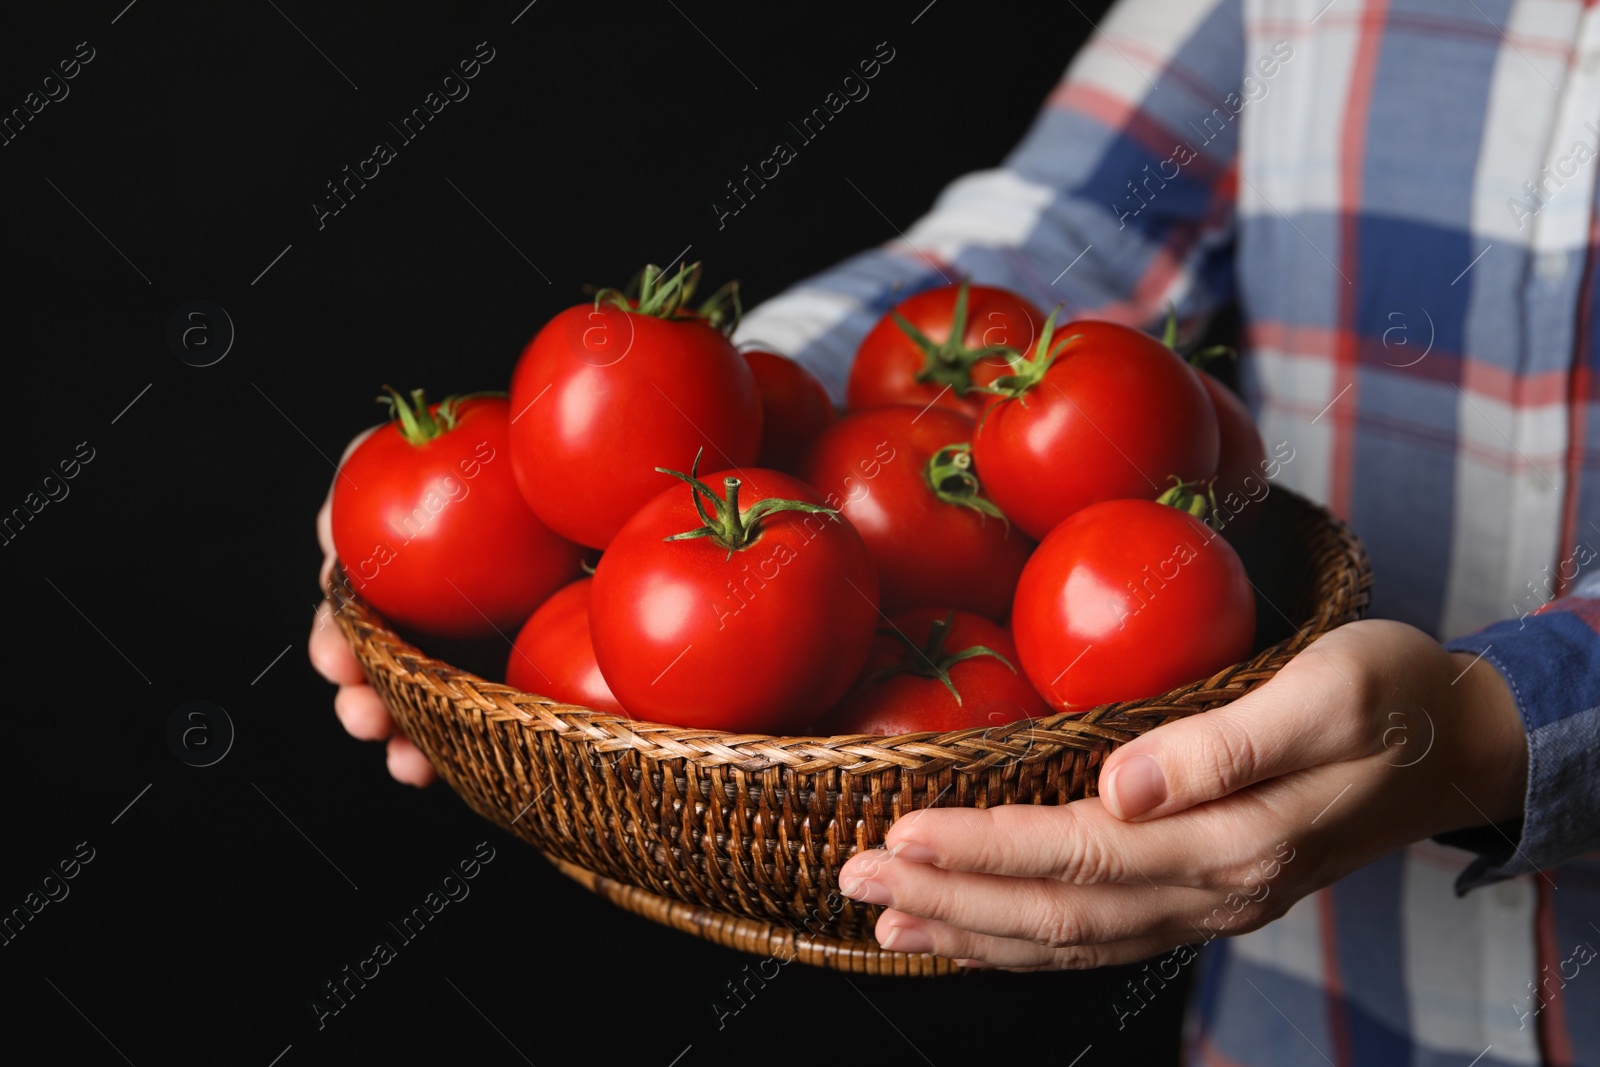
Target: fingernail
column 908, row 939
column 1137, row 786
column 914, row 853
column 866, row 891
column 857, row 868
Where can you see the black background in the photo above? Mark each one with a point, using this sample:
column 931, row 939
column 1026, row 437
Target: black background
column 183, row 561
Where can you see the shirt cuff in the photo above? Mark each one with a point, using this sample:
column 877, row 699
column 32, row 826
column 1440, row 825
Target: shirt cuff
column 1551, row 661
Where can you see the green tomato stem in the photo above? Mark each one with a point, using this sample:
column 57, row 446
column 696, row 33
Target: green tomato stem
column 1027, row 371
column 648, row 294
column 952, row 479
column 948, row 362
column 725, row 523
column 930, row 660
column 419, row 423
column 1195, row 498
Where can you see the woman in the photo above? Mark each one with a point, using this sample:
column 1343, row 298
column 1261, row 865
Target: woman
column 1401, row 200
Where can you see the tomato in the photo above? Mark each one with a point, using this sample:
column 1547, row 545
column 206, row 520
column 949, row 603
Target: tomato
column 1127, row 599
column 948, row 349
column 431, row 528
column 1100, row 411
column 937, row 670
column 903, row 477
column 757, row 621
column 554, row 655
column 794, row 409
column 1242, row 464
column 607, row 390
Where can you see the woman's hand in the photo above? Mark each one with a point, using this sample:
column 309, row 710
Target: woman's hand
column 1371, row 739
column 356, row 703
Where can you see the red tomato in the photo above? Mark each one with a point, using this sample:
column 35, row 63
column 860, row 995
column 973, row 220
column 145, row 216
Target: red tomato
column 432, row 530
column 1100, row 411
column 757, row 627
column 937, row 670
column 554, row 655
column 794, row 409
column 904, row 479
column 1127, row 599
column 1242, row 465
column 947, row 351
column 609, row 389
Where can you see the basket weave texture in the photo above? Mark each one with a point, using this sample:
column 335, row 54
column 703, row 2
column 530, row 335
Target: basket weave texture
column 739, row 837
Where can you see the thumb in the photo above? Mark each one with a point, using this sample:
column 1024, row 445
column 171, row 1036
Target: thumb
column 325, row 512
column 1282, row 727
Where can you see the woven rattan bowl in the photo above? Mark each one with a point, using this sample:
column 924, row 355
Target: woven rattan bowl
column 738, row 838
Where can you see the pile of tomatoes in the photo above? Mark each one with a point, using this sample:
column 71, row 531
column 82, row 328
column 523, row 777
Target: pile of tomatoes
column 1012, row 515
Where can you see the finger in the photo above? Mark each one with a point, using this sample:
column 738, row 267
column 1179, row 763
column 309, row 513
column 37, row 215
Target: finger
column 325, row 512
column 325, row 523
column 325, row 539
column 899, row 932
column 1311, row 713
column 330, row 653
column 1080, row 843
column 407, row 764
column 1031, row 909
column 361, row 711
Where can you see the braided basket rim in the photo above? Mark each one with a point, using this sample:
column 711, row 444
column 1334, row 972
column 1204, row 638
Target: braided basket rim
column 1343, row 578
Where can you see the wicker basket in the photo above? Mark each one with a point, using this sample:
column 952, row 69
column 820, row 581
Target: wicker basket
column 738, row 838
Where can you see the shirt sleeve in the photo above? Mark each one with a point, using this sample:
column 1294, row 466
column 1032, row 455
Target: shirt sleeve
column 1114, row 204
column 1551, row 661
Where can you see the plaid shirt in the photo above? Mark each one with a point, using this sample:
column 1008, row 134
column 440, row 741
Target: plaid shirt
column 1401, row 199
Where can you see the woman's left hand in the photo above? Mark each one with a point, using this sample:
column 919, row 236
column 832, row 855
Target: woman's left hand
column 1372, row 738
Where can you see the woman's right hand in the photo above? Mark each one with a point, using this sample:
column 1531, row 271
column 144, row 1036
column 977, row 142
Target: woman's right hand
column 356, row 703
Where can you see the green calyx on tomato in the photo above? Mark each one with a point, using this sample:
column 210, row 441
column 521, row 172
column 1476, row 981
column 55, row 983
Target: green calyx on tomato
column 1196, row 498
column 419, row 423
column 953, row 481
column 1200, row 359
column 724, row 523
column 931, row 660
column 1028, row 370
column 652, row 293
column 948, row 362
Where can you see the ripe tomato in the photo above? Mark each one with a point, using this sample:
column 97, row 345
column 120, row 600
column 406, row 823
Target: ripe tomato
column 937, row 670
column 1242, row 464
column 794, row 409
column 1126, row 599
column 904, row 479
column 554, row 655
column 609, row 389
column 736, row 612
column 1099, row 411
column 431, row 528
column 936, row 345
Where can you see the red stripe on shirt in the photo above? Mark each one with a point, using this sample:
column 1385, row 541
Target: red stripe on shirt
column 1124, row 116
column 1352, row 144
column 1212, row 1056
column 1555, row 1043
column 1332, row 981
column 1162, row 64
column 1472, row 28
column 1585, row 608
column 1478, row 377
column 1166, row 265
